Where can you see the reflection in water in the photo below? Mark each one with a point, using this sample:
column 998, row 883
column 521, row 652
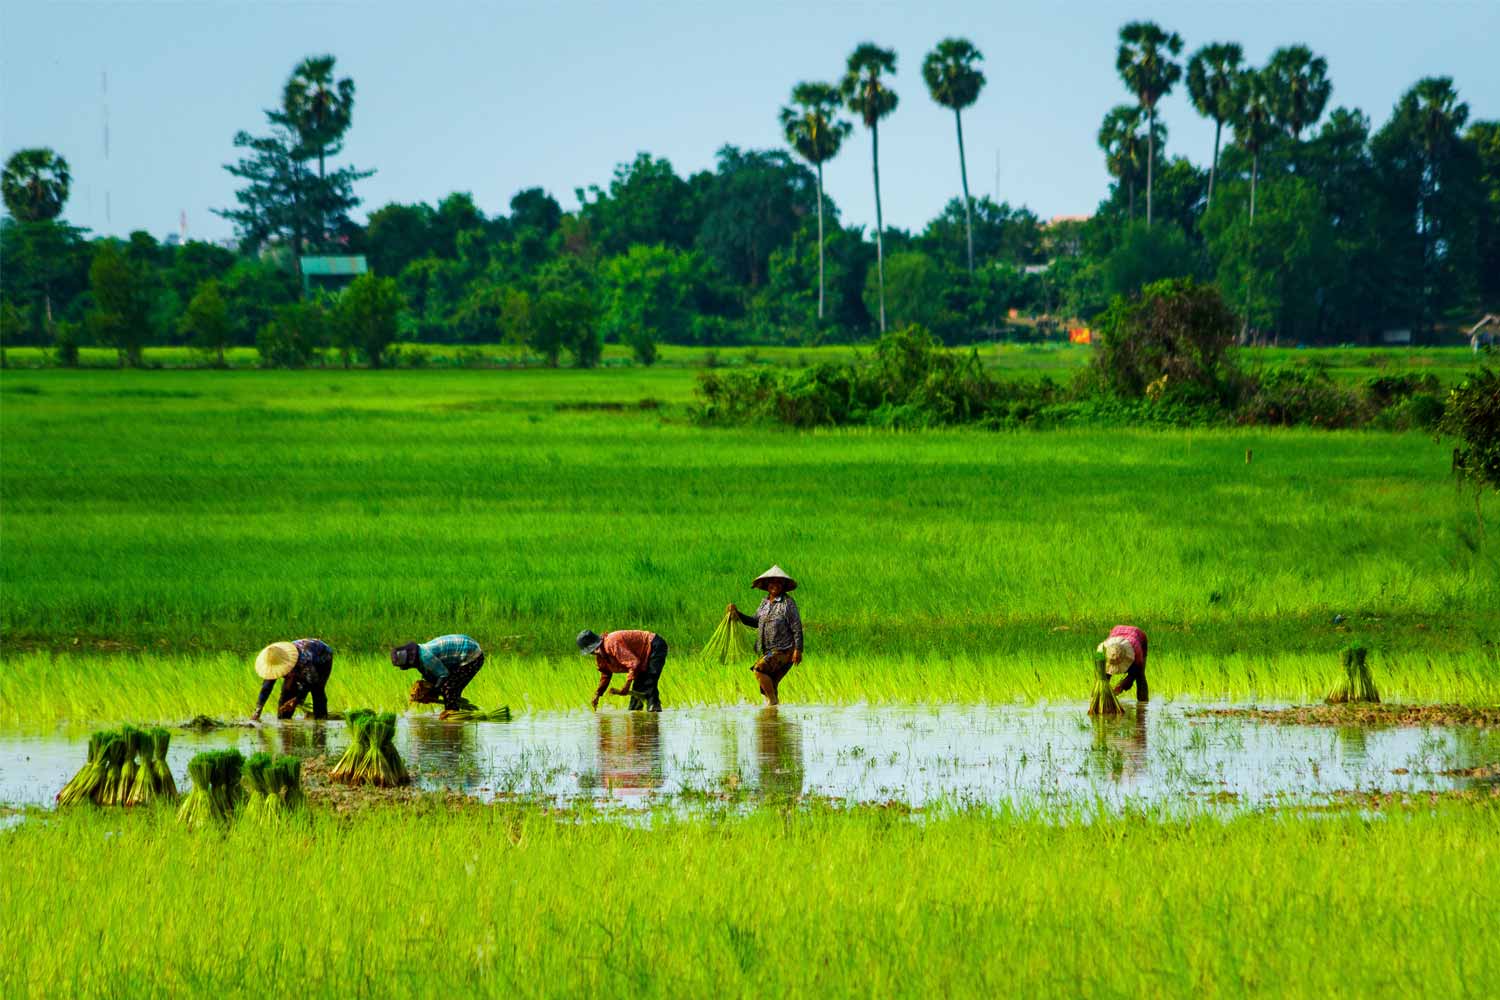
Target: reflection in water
column 630, row 755
column 300, row 738
column 1353, row 745
column 778, row 754
column 1119, row 745
column 448, row 749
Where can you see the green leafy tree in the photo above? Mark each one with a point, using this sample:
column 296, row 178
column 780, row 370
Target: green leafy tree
column 1212, row 74
column 320, row 110
column 1144, row 61
column 1147, row 254
column 812, row 128
column 646, row 204
column 1125, row 142
column 1472, row 416
column 1178, row 331
column 365, row 319
column 998, row 233
column 397, row 235
column 1299, row 88
column 757, row 201
column 121, row 317
column 281, row 198
column 35, row 185
column 951, row 72
column 1254, row 122
column 1484, row 139
column 649, row 295
column 294, row 334
column 205, row 322
column 867, row 94
column 916, row 292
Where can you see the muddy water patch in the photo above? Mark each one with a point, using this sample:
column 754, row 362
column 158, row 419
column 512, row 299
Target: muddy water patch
column 917, row 755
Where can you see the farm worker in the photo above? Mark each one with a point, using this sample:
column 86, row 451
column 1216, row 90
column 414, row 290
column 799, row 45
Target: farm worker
column 778, row 627
column 1125, row 653
column 447, row 665
column 636, row 653
column 302, row 667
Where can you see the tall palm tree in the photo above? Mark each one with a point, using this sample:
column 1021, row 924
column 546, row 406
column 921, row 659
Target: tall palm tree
column 815, row 131
column 1123, row 138
column 35, row 185
column 955, row 80
column 1254, row 122
column 319, row 108
column 865, row 93
column 1432, row 110
column 1211, row 76
column 1299, row 88
column 1144, row 62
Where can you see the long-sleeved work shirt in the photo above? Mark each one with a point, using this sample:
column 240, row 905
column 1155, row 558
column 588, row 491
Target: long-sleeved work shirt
column 1136, row 675
column 436, row 657
column 308, row 676
column 777, row 624
column 625, row 652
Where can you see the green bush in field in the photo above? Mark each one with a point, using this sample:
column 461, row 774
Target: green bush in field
column 1473, row 417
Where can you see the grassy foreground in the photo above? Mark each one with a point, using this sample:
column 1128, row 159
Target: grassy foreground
column 511, row 901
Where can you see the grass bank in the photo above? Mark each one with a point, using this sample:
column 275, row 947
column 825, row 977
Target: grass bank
column 510, row 900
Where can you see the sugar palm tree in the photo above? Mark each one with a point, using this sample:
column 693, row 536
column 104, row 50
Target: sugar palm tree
column 1298, row 86
column 1254, row 122
column 866, row 94
column 1123, row 138
column 1144, row 62
column 319, row 108
column 954, row 79
column 1211, row 76
column 35, row 185
column 813, row 128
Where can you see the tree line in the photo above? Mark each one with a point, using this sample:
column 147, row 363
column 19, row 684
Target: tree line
column 1313, row 227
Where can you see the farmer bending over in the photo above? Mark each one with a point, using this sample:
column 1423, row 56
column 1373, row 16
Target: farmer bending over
column 447, row 665
column 636, row 653
column 1125, row 653
column 778, row 627
column 302, row 667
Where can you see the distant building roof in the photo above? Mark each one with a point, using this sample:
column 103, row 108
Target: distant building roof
column 334, row 266
column 1068, row 218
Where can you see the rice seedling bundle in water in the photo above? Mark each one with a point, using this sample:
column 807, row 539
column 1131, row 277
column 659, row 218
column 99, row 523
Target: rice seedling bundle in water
column 257, row 784
column 343, row 768
column 217, row 791
column 501, row 714
column 1356, row 683
column 381, row 765
column 153, row 778
column 730, row 642
column 1102, row 700
column 286, row 784
column 161, row 741
column 87, row 783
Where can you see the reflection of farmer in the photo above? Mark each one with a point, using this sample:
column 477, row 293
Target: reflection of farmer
column 778, row 752
column 636, row 653
column 302, row 667
column 447, row 665
column 778, row 631
column 630, row 755
column 1125, row 653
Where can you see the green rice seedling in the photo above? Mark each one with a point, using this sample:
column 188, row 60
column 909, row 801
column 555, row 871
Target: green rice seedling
column 113, row 758
column 257, row 784
column 501, row 714
column 84, row 785
column 286, row 779
column 197, row 809
column 166, row 785
column 1102, row 700
column 1355, row 683
column 125, row 784
column 730, row 642
column 228, row 789
column 382, row 764
column 343, row 769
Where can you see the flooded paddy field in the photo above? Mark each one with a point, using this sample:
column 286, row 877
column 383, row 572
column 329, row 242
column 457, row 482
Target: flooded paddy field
column 1162, row 754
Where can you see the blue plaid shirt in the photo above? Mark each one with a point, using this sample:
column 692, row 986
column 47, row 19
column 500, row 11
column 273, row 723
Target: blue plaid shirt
column 444, row 653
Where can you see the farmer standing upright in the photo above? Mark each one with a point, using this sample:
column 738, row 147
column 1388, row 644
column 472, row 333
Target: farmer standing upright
column 447, row 665
column 303, row 667
column 778, row 626
column 1125, row 653
column 636, row 653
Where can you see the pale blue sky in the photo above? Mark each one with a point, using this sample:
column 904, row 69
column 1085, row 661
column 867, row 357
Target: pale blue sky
column 491, row 98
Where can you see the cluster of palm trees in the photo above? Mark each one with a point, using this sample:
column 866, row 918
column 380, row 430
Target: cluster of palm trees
column 1287, row 96
column 815, row 130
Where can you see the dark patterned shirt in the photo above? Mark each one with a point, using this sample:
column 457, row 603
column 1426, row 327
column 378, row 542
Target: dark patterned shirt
column 309, row 676
column 778, row 625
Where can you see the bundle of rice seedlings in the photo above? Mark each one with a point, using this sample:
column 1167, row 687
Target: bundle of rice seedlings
column 217, row 791
column 1356, row 684
column 730, row 642
column 257, row 784
column 112, row 762
column 382, row 764
column 161, row 741
column 84, row 785
column 285, row 780
column 1102, row 700
column 125, row 784
column 501, row 714
column 197, row 807
column 343, row 768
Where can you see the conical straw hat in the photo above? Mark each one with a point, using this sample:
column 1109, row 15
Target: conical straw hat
column 774, row 573
column 276, row 660
column 1119, row 654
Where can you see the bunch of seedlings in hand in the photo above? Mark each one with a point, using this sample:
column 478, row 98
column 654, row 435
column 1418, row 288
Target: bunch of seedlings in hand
column 371, row 757
column 125, row 767
column 217, row 792
column 730, row 642
column 1102, row 700
column 1356, row 683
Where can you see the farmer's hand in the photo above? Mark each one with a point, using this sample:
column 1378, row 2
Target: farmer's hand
column 595, row 703
column 255, row 715
column 731, row 609
column 619, row 691
column 796, row 656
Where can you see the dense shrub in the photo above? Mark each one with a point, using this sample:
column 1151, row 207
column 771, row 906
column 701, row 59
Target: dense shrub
column 1472, row 416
